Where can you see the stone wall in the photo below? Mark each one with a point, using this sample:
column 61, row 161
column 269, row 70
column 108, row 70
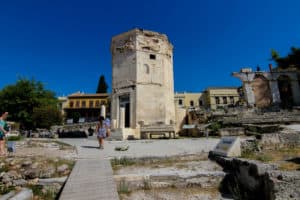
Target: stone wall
column 279, row 140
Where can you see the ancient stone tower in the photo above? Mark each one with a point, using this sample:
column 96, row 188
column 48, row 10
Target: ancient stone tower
column 142, row 80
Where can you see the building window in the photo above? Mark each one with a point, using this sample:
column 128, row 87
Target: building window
column 217, row 100
column 71, row 104
column 103, row 102
column 200, row 103
column 77, row 104
column 146, row 68
column 231, row 100
column 192, row 103
column 180, row 102
column 152, row 57
column 83, row 104
column 91, row 104
column 97, row 103
column 224, row 100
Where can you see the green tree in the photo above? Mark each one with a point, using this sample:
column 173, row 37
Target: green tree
column 102, row 85
column 75, row 116
column 21, row 98
column 45, row 117
column 291, row 60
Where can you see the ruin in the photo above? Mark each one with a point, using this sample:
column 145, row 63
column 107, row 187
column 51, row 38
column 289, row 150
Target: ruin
column 142, row 99
column 264, row 89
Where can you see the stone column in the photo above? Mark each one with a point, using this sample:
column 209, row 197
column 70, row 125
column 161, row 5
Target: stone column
column 275, row 91
column 103, row 111
column 122, row 117
column 250, row 98
column 247, row 78
column 113, row 123
column 296, row 92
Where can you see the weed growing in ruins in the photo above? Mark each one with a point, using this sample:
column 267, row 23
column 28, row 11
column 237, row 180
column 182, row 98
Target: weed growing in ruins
column 123, row 187
column 147, row 184
column 4, row 189
column 14, row 138
column 215, row 127
column 42, row 193
column 124, row 161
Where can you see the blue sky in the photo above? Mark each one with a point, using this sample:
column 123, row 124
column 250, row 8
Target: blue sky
column 65, row 44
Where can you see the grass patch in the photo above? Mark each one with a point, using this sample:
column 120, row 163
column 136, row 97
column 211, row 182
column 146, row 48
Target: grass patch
column 14, row 138
column 116, row 163
column 42, row 193
column 4, row 189
column 156, row 162
column 281, row 154
column 264, row 157
column 289, row 166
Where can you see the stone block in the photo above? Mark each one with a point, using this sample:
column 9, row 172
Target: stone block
column 236, row 131
column 229, row 147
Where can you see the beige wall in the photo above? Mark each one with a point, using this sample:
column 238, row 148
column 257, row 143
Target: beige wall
column 187, row 98
column 225, row 96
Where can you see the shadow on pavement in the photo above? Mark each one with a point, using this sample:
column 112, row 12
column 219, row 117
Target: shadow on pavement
column 90, row 147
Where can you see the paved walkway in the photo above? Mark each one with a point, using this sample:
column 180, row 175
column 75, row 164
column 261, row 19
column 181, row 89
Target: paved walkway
column 91, row 177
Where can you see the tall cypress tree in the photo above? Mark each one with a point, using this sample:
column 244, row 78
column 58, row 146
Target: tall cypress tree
column 102, row 85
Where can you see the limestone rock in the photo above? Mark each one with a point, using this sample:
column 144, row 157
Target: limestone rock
column 19, row 182
column 6, row 179
column 14, row 175
column 26, row 163
column 62, row 169
column 24, row 194
column 31, row 173
column 48, row 172
column 51, row 181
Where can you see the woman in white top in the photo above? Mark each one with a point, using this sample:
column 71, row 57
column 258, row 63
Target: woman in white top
column 101, row 131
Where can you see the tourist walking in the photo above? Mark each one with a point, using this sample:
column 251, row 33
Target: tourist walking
column 101, row 131
column 3, row 132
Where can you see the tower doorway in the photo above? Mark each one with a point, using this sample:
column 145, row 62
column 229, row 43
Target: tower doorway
column 125, row 103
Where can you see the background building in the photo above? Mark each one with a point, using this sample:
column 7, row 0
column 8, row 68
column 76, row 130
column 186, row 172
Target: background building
column 62, row 103
column 87, row 106
column 188, row 100
column 218, row 97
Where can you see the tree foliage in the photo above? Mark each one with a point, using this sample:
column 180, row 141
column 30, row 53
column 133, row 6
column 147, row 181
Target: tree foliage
column 23, row 97
column 102, row 85
column 291, row 60
column 45, row 117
